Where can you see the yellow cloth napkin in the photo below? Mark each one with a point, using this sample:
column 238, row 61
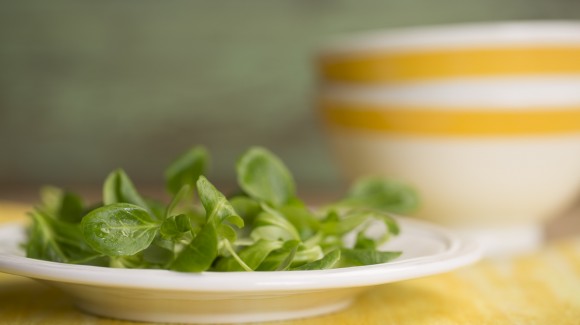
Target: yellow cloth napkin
column 539, row 288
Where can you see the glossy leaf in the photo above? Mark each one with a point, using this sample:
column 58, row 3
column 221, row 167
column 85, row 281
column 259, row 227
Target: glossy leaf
column 160, row 253
column 246, row 207
column 180, row 202
column 358, row 257
column 175, row 227
column 119, row 229
column 264, row 177
column 274, row 220
column 335, row 225
column 385, row 195
column 327, row 262
column 364, row 242
column 61, row 204
column 252, row 256
column 266, row 227
column 219, row 210
column 54, row 240
column 199, row 255
column 119, row 188
column 292, row 248
column 300, row 256
column 214, row 202
column 303, row 220
column 186, row 169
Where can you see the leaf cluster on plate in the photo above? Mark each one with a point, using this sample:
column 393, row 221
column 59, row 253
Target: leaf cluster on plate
column 264, row 227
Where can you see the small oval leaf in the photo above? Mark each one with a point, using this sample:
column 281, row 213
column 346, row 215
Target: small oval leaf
column 200, row 253
column 119, row 229
column 186, row 169
column 264, row 176
column 383, row 194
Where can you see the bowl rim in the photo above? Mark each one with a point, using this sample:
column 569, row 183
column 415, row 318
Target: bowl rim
column 472, row 34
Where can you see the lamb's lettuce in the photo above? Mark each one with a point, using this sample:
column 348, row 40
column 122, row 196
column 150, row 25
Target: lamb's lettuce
column 264, row 227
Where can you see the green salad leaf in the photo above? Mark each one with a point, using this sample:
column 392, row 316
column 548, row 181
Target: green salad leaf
column 200, row 253
column 119, row 229
column 119, row 188
column 264, row 227
column 327, row 262
column 186, row 169
column 381, row 194
column 265, row 178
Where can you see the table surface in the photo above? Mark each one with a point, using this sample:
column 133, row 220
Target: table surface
column 541, row 287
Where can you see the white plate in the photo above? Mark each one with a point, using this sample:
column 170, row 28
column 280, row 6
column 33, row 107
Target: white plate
column 212, row 297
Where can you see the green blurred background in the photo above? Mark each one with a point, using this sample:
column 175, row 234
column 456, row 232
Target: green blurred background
column 88, row 86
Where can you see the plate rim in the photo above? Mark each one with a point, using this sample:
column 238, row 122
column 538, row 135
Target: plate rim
column 459, row 252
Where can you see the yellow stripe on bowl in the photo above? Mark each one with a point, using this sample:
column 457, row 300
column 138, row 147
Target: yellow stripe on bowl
column 392, row 67
column 451, row 122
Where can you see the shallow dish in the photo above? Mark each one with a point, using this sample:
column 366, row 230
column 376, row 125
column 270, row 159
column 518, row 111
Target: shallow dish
column 211, row 297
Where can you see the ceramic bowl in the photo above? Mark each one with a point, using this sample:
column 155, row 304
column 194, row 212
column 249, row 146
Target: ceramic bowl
column 482, row 119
